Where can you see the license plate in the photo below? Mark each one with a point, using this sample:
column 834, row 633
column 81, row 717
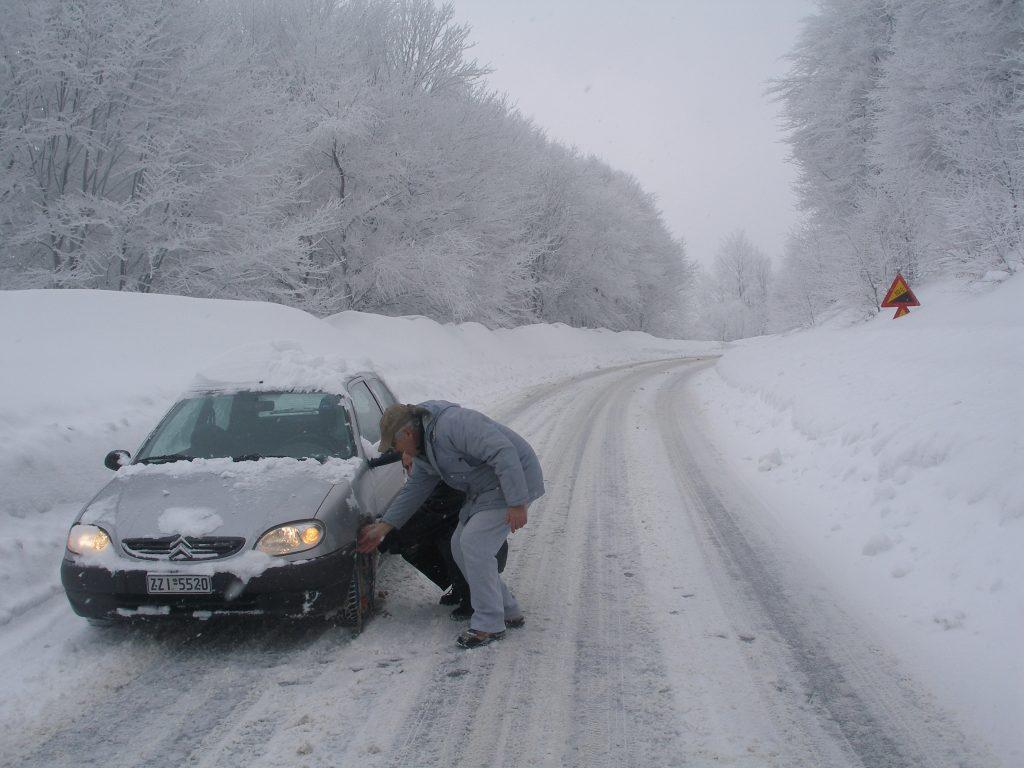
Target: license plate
column 165, row 584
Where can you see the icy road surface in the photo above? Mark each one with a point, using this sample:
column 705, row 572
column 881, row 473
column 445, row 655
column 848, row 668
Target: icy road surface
column 665, row 627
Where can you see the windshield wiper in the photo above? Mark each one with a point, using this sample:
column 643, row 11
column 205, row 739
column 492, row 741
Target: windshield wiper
column 256, row 457
column 165, row 459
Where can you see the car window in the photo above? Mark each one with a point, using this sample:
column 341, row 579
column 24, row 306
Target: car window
column 368, row 413
column 252, row 424
column 220, row 411
column 381, row 392
column 175, row 432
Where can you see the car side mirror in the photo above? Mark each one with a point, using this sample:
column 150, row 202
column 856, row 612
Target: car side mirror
column 117, row 459
column 384, row 459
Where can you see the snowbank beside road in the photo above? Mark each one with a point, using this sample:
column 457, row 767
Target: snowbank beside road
column 85, row 372
column 893, row 453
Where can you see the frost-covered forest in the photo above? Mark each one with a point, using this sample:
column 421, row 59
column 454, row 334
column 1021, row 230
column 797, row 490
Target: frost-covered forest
column 906, row 122
column 348, row 154
column 325, row 154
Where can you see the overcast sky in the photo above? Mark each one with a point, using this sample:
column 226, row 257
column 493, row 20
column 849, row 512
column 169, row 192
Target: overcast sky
column 672, row 92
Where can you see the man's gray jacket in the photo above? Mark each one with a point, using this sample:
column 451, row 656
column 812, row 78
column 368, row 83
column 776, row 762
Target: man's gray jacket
column 493, row 465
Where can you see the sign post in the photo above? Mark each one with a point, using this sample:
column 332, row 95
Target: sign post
column 900, row 296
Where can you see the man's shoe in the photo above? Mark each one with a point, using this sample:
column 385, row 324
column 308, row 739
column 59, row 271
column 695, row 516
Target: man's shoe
column 462, row 613
column 474, row 638
column 450, row 598
column 516, row 623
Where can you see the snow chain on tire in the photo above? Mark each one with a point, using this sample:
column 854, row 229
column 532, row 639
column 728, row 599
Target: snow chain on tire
column 359, row 600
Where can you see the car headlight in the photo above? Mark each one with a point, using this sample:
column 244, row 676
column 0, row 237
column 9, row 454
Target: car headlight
column 293, row 537
column 86, row 539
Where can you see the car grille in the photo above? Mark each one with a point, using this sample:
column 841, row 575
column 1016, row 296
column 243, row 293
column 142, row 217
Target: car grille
column 183, row 547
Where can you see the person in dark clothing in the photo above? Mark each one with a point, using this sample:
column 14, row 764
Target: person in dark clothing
column 425, row 543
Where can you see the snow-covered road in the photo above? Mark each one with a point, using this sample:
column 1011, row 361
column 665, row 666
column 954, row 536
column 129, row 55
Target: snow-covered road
column 667, row 626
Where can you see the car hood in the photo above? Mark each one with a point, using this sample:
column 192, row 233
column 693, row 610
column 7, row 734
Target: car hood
column 214, row 498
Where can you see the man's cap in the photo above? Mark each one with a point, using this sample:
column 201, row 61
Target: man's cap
column 395, row 417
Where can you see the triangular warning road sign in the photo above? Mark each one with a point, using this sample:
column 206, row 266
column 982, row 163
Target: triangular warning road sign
column 903, row 310
column 900, row 295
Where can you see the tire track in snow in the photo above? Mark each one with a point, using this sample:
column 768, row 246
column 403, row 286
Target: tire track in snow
column 468, row 730
column 194, row 683
column 529, row 693
column 856, row 694
column 446, row 716
column 631, row 720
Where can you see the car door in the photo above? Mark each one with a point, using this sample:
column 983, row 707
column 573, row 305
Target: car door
column 385, row 398
column 381, row 392
column 385, row 481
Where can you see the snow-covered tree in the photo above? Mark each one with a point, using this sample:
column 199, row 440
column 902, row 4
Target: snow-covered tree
column 905, row 123
column 805, row 287
column 734, row 294
column 139, row 153
column 327, row 154
column 835, row 68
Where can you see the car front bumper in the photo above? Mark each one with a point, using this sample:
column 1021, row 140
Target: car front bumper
column 294, row 589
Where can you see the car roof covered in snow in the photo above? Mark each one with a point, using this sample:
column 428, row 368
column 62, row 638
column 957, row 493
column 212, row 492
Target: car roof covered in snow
column 277, row 367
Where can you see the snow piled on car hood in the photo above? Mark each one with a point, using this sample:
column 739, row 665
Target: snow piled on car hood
column 251, row 474
column 211, row 496
column 214, row 496
column 189, row 521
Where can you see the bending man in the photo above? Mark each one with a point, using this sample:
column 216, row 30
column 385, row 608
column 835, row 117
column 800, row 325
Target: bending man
column 500, row 475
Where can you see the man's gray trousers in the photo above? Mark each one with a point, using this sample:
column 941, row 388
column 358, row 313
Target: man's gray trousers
column 474, row 544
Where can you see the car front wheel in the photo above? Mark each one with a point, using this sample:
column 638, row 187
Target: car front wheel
column 359, row 600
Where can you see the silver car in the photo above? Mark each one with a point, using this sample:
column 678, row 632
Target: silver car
column 242, row 500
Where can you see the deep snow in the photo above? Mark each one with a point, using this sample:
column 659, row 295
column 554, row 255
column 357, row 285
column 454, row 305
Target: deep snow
column 888, row 452
column 892, row 453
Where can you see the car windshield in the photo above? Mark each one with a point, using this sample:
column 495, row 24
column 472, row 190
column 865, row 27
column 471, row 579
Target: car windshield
column 250, row 426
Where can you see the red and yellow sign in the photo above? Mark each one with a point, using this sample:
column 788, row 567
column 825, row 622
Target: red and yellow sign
column 900, row 296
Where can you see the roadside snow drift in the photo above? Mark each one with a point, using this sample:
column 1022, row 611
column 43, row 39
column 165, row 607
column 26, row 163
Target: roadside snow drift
column 893, row 453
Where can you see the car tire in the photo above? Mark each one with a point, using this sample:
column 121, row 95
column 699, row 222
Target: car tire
column 101, row 623
column 359, row 600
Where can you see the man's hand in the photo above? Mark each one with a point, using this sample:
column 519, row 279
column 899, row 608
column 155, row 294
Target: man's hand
column 372, row 535
column 516, row 517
